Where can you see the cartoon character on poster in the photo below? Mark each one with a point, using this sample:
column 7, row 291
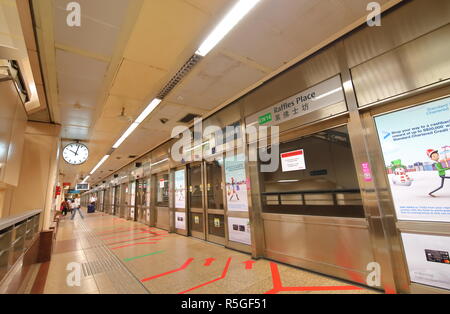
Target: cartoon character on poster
column 400, row 175
column 434, row 155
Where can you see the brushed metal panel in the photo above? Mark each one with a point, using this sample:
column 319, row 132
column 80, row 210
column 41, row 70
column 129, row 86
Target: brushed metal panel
column 325, row 245
column 399, row 26
column 162, row 218
column 416, row 64
column 310, row 72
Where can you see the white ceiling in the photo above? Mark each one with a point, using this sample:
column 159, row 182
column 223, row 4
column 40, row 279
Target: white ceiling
column 103, row 67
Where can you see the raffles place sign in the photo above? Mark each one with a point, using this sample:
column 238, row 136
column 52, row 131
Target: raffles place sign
column 327, row 93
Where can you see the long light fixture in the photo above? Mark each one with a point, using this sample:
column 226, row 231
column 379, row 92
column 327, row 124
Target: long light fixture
column 159, row 162
column 99, row 164
column 226, row 25
column 155, row 102
column 85, row 179
column 127, row 133
column 147, row 111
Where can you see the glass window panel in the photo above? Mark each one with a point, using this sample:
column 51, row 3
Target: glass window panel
column 327, row 187
column 214, row 184
column 195, row 190
column 162, row 196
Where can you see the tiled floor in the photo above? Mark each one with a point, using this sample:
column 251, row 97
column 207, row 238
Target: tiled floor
column 119, row 256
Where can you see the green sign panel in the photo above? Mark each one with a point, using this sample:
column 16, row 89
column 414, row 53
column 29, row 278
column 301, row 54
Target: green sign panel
column 265, row 118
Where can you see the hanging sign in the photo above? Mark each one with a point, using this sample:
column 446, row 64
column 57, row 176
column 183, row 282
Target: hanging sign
column 293, row 161
column 317, row 97
column 161, row 183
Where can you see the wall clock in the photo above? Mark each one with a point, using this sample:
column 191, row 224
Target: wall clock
column 75, row 153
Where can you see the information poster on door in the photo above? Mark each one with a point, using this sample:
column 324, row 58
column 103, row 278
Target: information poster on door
column 180, row 189
column 416, row 149
column 293, row 161
column 236, row 183
column 428, row 259
column 180, row 221
column 239, row 230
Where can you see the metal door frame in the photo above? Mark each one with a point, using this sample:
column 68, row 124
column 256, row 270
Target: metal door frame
column 396, row 227
column 155, row 206
column 190, row 210
column 214, row 211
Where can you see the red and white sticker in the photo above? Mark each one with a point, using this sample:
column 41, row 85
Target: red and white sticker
column 293, row 161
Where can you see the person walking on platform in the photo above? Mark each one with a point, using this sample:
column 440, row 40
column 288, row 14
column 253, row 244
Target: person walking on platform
column 76, row 208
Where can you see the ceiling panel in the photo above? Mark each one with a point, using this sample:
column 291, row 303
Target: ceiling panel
column 96, row 22
column 165, row 29
column 137, row 81
column 213, row 81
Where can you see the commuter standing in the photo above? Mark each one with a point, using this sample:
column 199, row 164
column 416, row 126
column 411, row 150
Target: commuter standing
column 76, row 208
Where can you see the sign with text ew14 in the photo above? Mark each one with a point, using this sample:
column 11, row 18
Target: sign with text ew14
column 293, row 161
column 327, row 93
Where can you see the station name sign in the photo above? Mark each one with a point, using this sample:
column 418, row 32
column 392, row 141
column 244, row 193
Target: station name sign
column 327, row 93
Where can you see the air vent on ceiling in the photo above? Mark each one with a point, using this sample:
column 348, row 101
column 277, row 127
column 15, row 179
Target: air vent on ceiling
column 179, row 76
column 188, row 118
column 132, row 156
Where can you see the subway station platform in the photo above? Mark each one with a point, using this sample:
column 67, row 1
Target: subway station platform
column 120, row 256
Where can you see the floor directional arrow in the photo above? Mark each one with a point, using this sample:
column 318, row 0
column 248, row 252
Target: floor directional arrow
column 249, row 264
column 209, row 261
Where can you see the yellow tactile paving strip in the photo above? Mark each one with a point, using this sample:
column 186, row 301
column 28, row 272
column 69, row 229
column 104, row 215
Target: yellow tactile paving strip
column 171, row 264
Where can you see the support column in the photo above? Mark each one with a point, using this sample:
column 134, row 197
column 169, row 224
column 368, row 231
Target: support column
column 39, row 171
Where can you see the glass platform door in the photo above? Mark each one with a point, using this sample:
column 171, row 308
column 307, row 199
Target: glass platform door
column 215, row 209
column 197, row 222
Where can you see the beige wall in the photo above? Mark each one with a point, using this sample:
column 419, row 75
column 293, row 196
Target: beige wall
column 38, row 172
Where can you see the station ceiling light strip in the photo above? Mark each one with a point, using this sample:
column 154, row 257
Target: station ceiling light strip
column 236, row 14
column 99, row 164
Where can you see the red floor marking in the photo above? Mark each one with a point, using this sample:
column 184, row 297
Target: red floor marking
column 140, row 243
column 129, row 240
column 249, row 264
column 115, row 231
column 278, row 286
column 186, row 264
column 209, row 261
column 224, row 274
column 126, row 235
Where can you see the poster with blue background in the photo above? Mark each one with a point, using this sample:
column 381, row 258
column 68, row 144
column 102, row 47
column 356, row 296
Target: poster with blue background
column 416, row 150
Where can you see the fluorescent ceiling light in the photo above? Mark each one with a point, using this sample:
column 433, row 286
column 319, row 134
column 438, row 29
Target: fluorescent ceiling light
column 126, row 134
column 99, row 164
column 226, row 25
column 148, row 110
column 159, row 162
column 287, row 181
column 329, row 93
column 85, row 179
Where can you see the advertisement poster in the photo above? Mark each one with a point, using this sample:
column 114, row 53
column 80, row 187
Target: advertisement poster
column 180, row 221
column 293, row 161
column 239, row 230
column 236, row 183
column 428, row 259
column 416, row 149
column 180, row 189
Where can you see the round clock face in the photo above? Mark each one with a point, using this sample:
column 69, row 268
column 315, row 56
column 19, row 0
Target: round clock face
column 75, row 153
